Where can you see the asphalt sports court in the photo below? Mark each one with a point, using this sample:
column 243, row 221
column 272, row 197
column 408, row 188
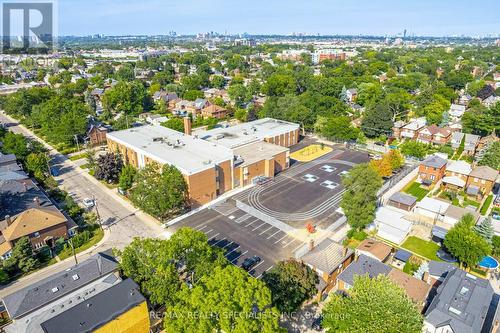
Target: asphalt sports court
column 308, row 192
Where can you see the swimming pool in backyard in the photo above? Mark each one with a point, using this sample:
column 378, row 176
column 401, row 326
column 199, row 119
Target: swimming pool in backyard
column 488, row 262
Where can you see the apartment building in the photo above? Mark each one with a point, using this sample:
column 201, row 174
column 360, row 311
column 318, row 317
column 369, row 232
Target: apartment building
column 215, row 161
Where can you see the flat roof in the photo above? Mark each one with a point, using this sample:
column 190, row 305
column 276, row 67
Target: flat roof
column 241, row 134
column 257, row 151
column 166, row 146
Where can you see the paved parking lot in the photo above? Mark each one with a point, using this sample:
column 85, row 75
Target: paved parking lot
column 242, row 236
column 307, row 192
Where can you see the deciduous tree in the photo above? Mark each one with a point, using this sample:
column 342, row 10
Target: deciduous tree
column 360, row 196
column 465, row 244
column 291, row 283
column 372, row 305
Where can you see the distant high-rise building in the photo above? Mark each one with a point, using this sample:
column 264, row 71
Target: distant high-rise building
column 404, row 33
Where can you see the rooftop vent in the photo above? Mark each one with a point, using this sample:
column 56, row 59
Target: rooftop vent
column 455, row 311
column 55, row 289
column 75, row 277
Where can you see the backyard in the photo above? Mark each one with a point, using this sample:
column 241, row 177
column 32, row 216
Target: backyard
column 416, row 190
column 426, row 249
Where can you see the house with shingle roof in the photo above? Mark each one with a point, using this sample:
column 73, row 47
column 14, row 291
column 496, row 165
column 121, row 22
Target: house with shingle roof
column 432, row 169
column 470, row 143
column 481, row 181
column 43, row 226
column 416, row 289
column 328, row 259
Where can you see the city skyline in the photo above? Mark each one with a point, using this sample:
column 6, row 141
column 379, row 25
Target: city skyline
column 386, row 18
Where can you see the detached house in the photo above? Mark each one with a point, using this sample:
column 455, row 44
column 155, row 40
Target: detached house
column 351, row 94
column 411, row 130
column 432, row 169
column 456, row 139
column 328, row 259
column 43, row 226
column 397, row 128
column 481, row 181
column 435, row 135
column 456, row 111
column 214, row 111
column 457, row 174
column 471, row 142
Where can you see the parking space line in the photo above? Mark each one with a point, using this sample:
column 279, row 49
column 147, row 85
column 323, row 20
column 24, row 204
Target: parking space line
column 290, row 242
column 264, row 272
column 266, row 230
column 217, row 234
column 249, row 224
column 274, row 234
column 220, row 240
column 209, row 231
column 235, row 259
column 298, row 247
column 279, row 240
column 258, row 226
column 227, row 254
column 227, row 245
column 200, row 229
column 260, row 263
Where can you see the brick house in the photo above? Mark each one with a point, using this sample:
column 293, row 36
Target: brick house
column 432, row 169
column 481, row 181
column 457, row 174
column 43, row 226
column 435, row 135
column 97, row 134
column 328, row 259
column 214, row 111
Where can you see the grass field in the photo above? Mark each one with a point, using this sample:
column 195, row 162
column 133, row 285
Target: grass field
column 310, row 153
column 416, row 190
column 422, row 247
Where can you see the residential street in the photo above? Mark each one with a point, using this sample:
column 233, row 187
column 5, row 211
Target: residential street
column 122, row 221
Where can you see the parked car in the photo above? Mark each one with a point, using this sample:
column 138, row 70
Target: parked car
column 54, row 171
column 88, row 203
column 261, row 180
column 316, row 324
column 248, row 263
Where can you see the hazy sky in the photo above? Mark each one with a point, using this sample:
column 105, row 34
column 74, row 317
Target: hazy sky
column 380, row 17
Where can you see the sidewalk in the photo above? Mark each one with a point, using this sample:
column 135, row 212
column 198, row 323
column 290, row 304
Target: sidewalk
column 56, row 267
column 146, row 218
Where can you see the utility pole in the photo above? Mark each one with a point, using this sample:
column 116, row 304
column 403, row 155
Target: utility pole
column 70, row 242
column 97, row 211
column 76, row 140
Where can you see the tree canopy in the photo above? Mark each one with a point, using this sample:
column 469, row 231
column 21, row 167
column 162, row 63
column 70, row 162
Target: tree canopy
column 359, row 199
column 291, row 283
column 161, row 192
column 372, row 305
column 465, row 243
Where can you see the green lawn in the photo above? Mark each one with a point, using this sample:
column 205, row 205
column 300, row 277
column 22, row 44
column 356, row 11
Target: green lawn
column 486, row 204
column 422, row 247
column 66, row 253
column 77, row 157
column 416, row 190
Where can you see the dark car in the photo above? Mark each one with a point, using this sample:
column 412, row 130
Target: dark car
column 54, row 171
column 248, row 263
column 316, row 324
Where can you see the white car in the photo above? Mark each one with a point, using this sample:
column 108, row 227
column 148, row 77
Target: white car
column 89, row 203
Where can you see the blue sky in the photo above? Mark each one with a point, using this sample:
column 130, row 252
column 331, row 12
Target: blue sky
column 380, row 17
